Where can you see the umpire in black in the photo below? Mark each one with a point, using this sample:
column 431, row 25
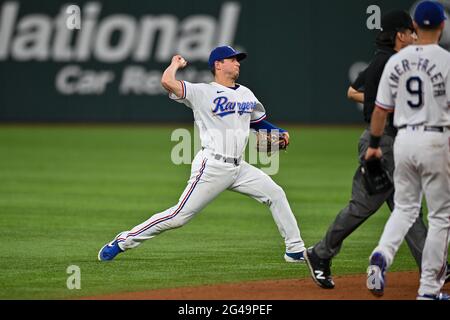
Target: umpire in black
column 397, row 32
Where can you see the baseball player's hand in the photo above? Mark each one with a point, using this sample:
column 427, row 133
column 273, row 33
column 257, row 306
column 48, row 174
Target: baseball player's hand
column 373, row 153
column 284, row 140
column 179, row 62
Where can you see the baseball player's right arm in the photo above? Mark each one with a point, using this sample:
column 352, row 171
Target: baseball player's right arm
column 168, row 80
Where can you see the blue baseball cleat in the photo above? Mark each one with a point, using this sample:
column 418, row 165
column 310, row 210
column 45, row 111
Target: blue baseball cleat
column 376, row 273
column 295, row 257
column 440, row 296
column 109, row 251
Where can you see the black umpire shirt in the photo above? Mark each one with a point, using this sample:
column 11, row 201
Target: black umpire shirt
column 368, row 81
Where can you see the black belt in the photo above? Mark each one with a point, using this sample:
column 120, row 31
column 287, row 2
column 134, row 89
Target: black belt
column 235, row 161
column 426, row 128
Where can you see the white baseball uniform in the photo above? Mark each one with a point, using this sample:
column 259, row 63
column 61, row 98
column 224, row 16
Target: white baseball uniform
column 416, row 84
column 223, row 116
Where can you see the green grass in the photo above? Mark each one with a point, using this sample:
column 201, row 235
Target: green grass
column 65, row 191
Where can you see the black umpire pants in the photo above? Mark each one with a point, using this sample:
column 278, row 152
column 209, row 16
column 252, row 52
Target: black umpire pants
column 362, row 206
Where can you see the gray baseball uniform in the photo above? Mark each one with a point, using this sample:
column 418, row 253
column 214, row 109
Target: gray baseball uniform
column 416, row 84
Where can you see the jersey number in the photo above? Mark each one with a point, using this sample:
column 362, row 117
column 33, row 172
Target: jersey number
column 415, row 88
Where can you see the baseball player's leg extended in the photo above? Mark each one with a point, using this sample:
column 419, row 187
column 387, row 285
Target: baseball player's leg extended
column 255, row 183
column 206, row 183
column 198, row 193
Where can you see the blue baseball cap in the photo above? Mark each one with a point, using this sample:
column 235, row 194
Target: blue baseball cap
column 429, row 14
column 224, row 52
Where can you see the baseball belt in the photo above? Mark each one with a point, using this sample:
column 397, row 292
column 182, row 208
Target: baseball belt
column 235, row 161
column 425, row 128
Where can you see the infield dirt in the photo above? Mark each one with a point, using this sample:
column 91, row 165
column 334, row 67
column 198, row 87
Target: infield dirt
column 399, row 286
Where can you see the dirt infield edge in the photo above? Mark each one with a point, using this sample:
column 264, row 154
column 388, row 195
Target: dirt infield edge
column 399, row 286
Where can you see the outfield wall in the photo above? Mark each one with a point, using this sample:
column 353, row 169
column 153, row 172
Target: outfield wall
column 302, row 56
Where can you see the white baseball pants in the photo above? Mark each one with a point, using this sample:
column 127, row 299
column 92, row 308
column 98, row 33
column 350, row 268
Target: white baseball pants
column 422, row 166
column 209, row 177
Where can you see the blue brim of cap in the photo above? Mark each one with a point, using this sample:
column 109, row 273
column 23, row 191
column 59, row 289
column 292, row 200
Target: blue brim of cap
column 239, row 56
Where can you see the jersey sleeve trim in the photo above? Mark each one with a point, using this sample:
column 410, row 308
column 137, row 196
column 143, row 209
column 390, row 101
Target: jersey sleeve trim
column 383, row 106
column 259, row 119
column 183, row 85
column 173, row 96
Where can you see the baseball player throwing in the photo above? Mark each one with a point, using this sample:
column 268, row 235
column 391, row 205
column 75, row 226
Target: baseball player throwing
column 224, row 111
column 416, row 84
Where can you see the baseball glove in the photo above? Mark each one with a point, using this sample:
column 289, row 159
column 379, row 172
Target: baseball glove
column 271, row 141
column 377, row 178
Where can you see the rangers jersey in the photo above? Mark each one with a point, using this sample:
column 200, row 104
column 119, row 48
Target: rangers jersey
column 416, row 83
column 222, row 114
